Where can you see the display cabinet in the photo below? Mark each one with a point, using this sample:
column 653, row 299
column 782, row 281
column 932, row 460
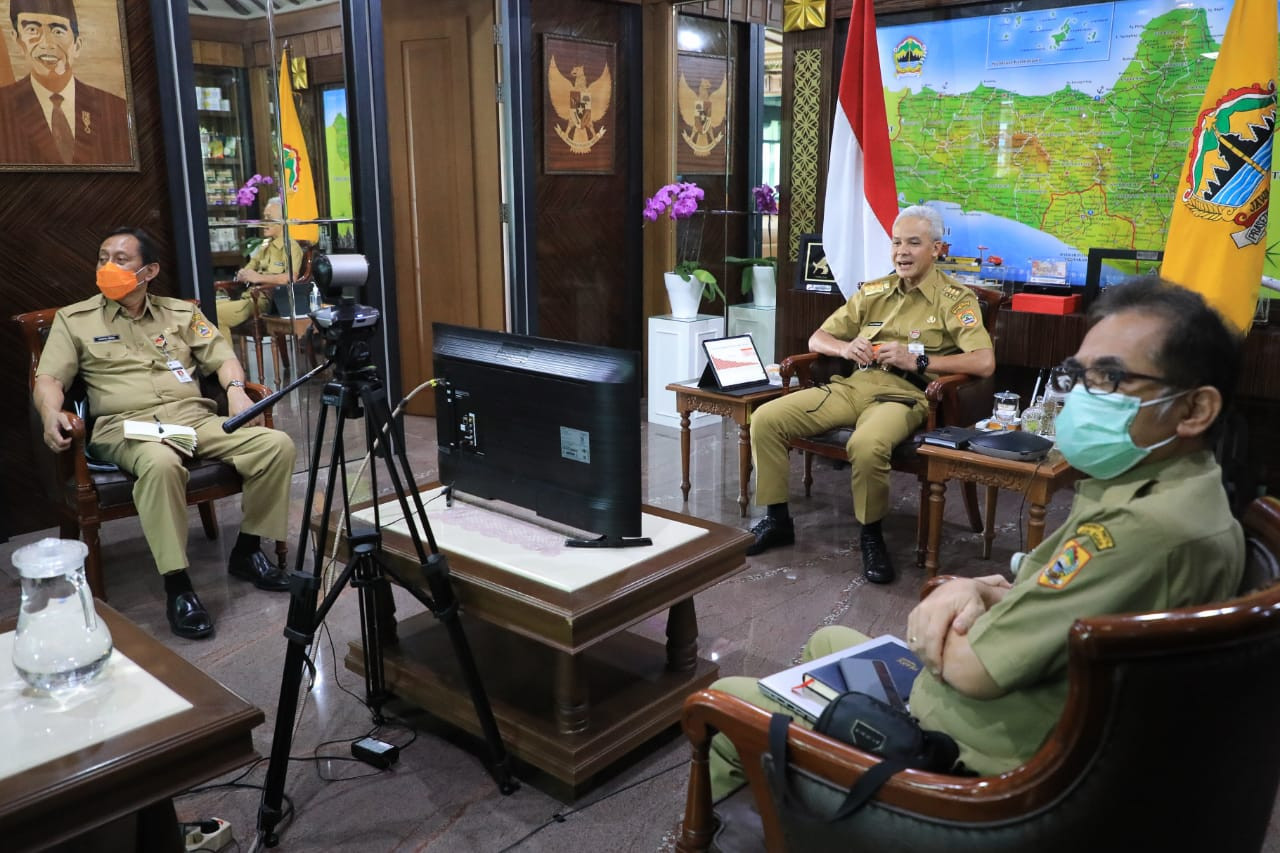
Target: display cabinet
column 222, row 108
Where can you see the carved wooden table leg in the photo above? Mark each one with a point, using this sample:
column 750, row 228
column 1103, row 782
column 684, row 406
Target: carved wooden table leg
column 572, row 705
column 989, row 527
column 682, row 637
column 937, row 499
column 684, row 452
column 744, row 464
column 1035, row 525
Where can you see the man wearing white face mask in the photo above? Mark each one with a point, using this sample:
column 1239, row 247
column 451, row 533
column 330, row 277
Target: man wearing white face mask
column 1151, row 529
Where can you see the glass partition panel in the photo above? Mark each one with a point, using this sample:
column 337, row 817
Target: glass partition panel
column 271, row 103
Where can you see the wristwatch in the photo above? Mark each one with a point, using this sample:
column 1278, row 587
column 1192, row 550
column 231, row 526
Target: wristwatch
column 922, row 363
column 234, row 383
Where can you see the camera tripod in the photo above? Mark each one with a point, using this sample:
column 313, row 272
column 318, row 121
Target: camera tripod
column 357, row 391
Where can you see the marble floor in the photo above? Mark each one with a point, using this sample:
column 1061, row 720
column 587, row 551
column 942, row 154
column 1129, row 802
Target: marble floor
column 439, row 797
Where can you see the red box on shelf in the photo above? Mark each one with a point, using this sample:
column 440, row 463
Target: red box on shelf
column 1041, row 303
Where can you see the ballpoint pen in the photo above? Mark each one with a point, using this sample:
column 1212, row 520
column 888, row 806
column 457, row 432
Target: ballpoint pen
column 159, row 426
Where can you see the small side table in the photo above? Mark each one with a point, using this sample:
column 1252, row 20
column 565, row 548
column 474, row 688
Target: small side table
column 675, row 351
column 690, row 398
column 1037, row 480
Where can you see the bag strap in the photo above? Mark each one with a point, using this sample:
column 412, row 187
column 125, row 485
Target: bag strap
column 857, row 797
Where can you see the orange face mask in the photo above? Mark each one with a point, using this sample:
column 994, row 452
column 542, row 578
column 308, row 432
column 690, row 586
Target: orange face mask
column 116, row 282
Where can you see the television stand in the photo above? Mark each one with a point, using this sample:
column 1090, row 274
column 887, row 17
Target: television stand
column 609, row 542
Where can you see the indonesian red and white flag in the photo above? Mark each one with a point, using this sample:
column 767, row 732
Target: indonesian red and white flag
column 862, row 198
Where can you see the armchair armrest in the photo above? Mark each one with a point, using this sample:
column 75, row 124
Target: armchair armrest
column 257, row 393
column 231, row 288
column 812, row 368
column 54, row 469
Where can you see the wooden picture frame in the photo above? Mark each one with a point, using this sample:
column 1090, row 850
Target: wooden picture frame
column 704, row 105
column 812, row 273
column 96, row 133
column 579, row 115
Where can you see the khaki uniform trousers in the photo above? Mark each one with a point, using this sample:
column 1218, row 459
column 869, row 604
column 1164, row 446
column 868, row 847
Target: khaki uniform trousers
column 263, row 457
column 725, row 765
column 233, row 312
column 879, row 428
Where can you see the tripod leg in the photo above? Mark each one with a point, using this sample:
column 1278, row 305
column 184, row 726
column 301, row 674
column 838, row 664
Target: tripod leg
column 441, row 602
column 373, row 588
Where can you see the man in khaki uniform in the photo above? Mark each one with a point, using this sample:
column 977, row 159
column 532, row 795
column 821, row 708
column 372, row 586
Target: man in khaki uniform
column 902, row 330
column 265, row 271
column 1150, row 530
column 138, row 356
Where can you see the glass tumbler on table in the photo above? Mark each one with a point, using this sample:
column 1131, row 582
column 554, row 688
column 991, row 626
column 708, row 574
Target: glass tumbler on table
column 1005, row 410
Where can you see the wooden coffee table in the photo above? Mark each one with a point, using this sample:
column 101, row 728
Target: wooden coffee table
column 85, row 789
column 1038, row 480
column 572, row 689
column 690, row 398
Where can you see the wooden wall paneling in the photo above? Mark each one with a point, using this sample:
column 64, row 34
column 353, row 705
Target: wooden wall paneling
column 808, row 91
column 658, row 139
column 52, row 224
column 587, row 291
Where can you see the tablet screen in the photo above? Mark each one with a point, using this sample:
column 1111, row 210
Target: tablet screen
column 735, row 361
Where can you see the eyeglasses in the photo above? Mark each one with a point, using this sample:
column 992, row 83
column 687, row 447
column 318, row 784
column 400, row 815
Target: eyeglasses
column 1097, row 380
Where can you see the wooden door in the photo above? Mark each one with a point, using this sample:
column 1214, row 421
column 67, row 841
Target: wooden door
column 442, row 126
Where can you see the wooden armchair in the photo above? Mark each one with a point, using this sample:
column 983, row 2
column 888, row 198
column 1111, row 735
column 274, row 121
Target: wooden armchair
column 955, row 399
column 253, row 329
column 86, row 496
column 1167, row 742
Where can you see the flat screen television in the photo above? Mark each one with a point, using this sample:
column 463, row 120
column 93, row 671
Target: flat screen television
column 551, row 426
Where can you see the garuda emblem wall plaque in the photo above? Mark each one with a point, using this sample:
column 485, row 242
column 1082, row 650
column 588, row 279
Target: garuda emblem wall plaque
column 703, row 104
column 579, row 118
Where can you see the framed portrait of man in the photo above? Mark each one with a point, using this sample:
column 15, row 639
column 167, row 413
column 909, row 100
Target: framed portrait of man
column 66, row 94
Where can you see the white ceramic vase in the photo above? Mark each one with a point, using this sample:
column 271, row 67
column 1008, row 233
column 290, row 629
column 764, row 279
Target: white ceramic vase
column 685, row 296
column 764, row 286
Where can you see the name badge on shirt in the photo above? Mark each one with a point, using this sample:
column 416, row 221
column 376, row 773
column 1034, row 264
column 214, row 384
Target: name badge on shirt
column 103, row 339
column 179, row 372
column 875, row 325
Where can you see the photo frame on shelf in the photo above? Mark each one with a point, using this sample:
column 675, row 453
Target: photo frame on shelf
column 704, row 104
column 96, row 132
column 813, row 275
column 579, row 115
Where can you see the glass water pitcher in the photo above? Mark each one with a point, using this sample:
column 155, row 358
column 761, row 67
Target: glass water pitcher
column 60, row 641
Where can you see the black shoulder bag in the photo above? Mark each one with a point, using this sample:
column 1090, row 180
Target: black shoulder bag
column 872, row 726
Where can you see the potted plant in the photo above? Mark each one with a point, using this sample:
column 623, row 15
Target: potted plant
column 688, row 283
column 763, row 280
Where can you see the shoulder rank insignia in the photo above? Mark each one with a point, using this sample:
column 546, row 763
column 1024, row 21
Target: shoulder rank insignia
column 872, row 288
column 200, row 326
column 1065, row 566
column 952, row 291
column 1100, row 535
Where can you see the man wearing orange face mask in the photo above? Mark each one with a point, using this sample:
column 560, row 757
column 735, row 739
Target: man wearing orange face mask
column 138, row 355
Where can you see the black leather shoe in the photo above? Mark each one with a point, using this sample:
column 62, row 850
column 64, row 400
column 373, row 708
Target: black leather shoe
column 187, row 616
column 876, row 565
column 261, row 571
column 770, row 533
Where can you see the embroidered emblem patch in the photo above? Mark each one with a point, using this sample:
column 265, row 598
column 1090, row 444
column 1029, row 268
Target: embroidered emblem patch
column 967, row 318
column 1065, row 566
column 200, row 327
column 1100, row 535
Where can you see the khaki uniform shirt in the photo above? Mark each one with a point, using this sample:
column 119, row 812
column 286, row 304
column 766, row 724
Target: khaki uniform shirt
column 1156, row 537
column 940, row 313
column 124, row 361
column 268, row 258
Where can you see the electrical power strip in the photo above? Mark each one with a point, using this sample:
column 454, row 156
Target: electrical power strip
column 209, row 841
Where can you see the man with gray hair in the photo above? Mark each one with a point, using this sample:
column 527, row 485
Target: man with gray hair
column 913, row 325
column 50, row 116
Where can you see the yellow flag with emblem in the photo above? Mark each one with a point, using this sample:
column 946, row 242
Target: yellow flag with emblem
column 299, row 181
column 1218, row 229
